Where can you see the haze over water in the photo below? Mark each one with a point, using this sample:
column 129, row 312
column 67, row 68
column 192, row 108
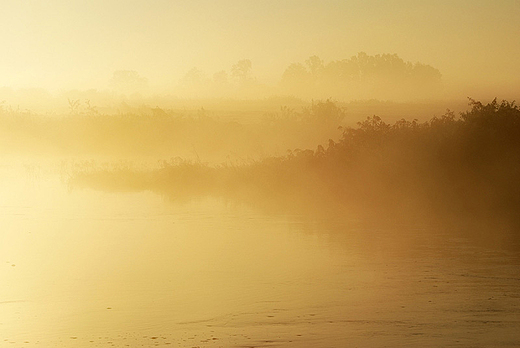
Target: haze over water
column 259, row 174
column 82, row 268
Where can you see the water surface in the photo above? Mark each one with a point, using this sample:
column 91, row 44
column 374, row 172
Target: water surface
column 82, row 268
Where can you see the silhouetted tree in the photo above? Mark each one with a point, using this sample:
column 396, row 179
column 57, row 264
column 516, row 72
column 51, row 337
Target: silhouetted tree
column 242, row 71
column 361, row 76
column 193, row 79
column 220, row 78
column 315, row 65
column 128, row 82
column 296, row 75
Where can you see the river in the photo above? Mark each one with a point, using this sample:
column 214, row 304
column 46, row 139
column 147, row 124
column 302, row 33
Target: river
column 85, row 268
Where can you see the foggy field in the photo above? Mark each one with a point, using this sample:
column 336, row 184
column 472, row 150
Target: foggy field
column 203, row 130
column 458, row 168
column 453, row 169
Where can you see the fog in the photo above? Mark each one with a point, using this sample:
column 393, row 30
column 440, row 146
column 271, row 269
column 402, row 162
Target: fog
column 60, row 45
column 251, row 174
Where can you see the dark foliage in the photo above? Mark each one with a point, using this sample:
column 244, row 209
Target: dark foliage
column 463, row 170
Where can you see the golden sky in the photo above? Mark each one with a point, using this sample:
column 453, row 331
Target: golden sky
column 63, row 44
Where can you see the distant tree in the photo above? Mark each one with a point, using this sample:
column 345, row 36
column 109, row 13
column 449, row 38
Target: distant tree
column 296, row 76
column 74, row 105
column 220, row 78
column 362, row 76
column 325, row 112
column 195, row 83
column 193, row 79
column 425, row 72
column 241, row 71
column 128, row 82
column 315, row 65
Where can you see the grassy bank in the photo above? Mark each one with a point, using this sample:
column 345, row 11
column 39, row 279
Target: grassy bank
column 457, row 169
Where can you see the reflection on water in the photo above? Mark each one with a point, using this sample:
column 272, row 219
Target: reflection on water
column 81, row 268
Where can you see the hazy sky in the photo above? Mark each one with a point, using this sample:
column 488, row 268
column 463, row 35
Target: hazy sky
column 61, row 44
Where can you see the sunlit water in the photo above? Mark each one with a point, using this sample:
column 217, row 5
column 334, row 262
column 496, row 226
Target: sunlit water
column 81, row 268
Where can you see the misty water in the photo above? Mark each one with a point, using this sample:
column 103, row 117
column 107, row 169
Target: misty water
column 85, row 268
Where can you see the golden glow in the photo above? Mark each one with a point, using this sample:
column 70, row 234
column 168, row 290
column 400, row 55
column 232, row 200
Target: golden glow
column 238, row 173
column 60, row 44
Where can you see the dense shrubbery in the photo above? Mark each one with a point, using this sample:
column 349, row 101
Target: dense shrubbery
column 462, row 168
column 458, row 169
column 469, row 163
